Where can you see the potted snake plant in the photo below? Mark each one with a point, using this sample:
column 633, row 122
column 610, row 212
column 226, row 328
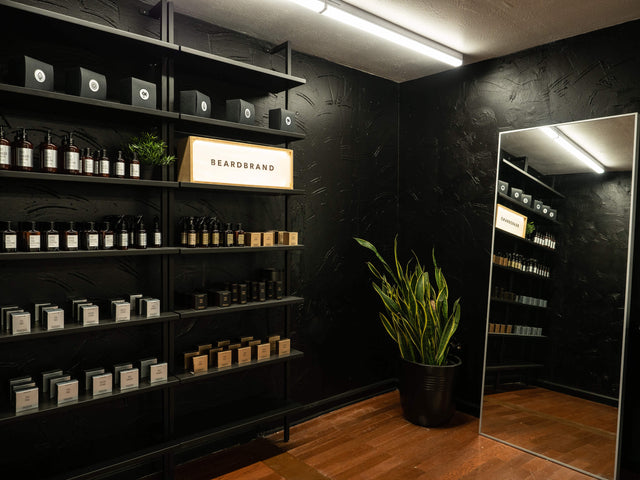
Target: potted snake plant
column 418, row 317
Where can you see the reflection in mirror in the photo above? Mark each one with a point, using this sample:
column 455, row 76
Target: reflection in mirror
column 558, row 296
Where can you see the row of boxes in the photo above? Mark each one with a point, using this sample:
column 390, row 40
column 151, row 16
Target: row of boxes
column 268, row 239
column 225, row 352
column 515, row 329
column 61, row 388
column 518, row 195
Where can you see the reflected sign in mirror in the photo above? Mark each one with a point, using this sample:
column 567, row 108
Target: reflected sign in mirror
column 558, row 301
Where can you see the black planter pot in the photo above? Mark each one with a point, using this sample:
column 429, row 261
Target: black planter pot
column 426, row 392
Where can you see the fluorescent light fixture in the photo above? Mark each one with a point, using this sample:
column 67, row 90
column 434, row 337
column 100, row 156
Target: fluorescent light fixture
column 379, row 27
column 573, row 148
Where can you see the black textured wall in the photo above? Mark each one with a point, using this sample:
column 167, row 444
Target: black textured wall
column 449, row 127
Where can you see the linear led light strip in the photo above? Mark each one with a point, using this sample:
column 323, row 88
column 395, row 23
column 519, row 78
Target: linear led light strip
column 366, row 22
column 574, row 149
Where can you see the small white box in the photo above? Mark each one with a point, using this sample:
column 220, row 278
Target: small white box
column 52, row 318
column 20, row 322
column 67, row 391
column 89, row 315
column 150, row 307
column 129, row 379
column 102, row 384
column 121, row 311
column 158, row 372
column 26, row 399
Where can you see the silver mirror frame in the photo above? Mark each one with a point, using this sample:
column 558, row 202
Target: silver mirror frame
column 627, row 302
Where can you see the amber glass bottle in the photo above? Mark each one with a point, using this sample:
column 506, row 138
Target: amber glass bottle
column 48, row 155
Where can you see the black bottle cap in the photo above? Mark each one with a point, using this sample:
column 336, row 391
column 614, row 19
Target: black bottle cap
column 70, row 138
column 107, row 225
column 239, row 226
column 47, row 137
column 92, row 225
column 71, row 225
column 52, row 225
column 33, row 225
column 156, row 223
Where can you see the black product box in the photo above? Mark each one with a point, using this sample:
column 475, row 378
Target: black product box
column 537, row 205
column 545, row 210
column 242, row 293
column 85, row 83
column 516, row 194
column 272, row 274
column 138, row 93
column 31, row 73
column 221, row 298
column 526, row 200
column 254, row 291
column 262, row 291
column 279, row 289
column 234, row 292
column 241, row 111
column 271, row 289
column 503, row 187
column 195, row 300
column 193, row 102
column 282, row 119
column 552, row 214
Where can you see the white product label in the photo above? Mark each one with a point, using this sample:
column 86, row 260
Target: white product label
column 241, row 239
column 158, row 373
column 247, row 113
column 93, row 240
column 157, row 239
column 5, row 159
column 49, row 158
column 20, row 323
column 88, row 165
column 24, row 157
column 120, row 168
column 67, row 391
column 71, row 161
column 122, row 312
column 108, row 241
column 26, row 400
column 287, row 120
column 55, row 320
column 94, row 85
column 129, row 379
column 134, row 170
column 10, row 241
column 229, row 238
column 204, row 106
column 39, row 75
column 124, row 239
column 153, row 308
column 34, row 242
column 104, row 167
column 53, row 241
column 102, row 384
column 144, row 94
column 142, row 239
column 72, row 241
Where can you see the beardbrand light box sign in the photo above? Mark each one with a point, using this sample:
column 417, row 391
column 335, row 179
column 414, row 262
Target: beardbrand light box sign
column 510, row 221
column 206, row 160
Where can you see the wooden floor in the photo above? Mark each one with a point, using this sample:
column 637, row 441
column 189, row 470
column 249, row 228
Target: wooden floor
column 574, row 431
column 370, row 440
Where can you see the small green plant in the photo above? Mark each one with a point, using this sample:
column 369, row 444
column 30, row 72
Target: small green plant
column 150, row 150
column 417, row 315
column 530, row 228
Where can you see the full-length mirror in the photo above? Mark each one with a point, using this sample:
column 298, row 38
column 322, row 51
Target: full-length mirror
column 559, row 291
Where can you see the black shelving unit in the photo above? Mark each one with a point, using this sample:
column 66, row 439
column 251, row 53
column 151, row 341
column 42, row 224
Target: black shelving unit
column 520, row 272
column 525, row 241
column 48, row 29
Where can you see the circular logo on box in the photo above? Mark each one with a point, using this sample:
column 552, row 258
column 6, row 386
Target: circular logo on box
column 39, row 75
column 503, row 188
column 94, row 86
column 545, row 210
column 247, row 113
column 144, row 94
column 551, row 214
column 525, row 200
column 287, row 120
column 203, row 106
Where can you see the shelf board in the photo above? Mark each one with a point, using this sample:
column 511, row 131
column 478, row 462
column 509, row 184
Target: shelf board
column 517, row 304
column 520, row 205
column 61, row 177
column 526, row 240
column 79, row 28
column 520, row 272
column 214, row 250
column 533, row 179
column 75, row 328
column 47, row 407
column 188, row 377
column 513, row 366
column 89, row 253
column 241, row 189
column 492, row 334
column 214, row 126
column 63, row 99
column 205, row 437
column 207, row 312
column 237, row 72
